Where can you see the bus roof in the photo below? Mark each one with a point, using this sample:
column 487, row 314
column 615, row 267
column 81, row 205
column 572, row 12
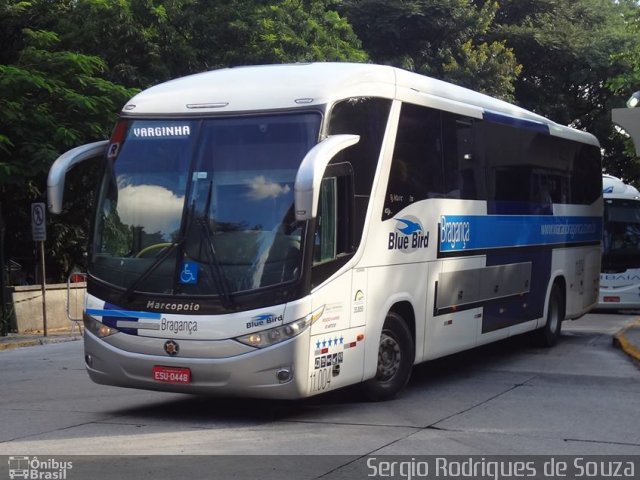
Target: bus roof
column 613, row 187
column 286, row 86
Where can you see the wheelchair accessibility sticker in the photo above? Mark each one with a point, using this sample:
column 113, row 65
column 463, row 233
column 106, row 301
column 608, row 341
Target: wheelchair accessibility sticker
column 189, row 273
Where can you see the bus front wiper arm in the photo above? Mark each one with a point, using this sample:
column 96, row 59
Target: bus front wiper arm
column 156, row 263
column 214, row 265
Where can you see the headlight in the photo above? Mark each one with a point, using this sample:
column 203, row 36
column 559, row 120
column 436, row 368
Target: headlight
column 269, row 337
column 99, row 329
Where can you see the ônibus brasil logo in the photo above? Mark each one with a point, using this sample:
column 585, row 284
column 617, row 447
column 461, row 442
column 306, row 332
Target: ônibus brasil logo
column 39, row 469
column 409, row 235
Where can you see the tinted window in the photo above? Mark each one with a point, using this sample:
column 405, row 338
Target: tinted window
column 529, row 170
column 463, row 172
column 587, row 179
column 432, row 158
column 416, row 168
column 514, row 164
column 366, row 117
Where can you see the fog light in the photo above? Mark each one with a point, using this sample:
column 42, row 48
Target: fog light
column 284, row 375
column 88, row 359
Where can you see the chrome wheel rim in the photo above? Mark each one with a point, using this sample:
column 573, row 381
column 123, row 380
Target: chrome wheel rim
column 389, row 357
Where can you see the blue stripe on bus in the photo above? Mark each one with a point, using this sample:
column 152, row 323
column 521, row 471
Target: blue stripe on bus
column 460, row 233
column 124, row 314
column 515, row 121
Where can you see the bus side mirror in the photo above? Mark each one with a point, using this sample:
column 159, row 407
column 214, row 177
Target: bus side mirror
column 309, row 178
column 59, row 169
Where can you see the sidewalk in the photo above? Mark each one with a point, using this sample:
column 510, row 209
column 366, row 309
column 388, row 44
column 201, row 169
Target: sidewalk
column 17, row 340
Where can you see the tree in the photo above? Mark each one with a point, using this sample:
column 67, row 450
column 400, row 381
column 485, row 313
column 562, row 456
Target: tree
column 133, row 37
column 568, row 51
column 144, row 42
column 52, row 100
column 626, row 164
column 446, row 39
column 294, row 31
column 68, row 66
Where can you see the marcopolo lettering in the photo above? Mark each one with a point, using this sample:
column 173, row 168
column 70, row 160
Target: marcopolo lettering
column 410, row 236
column 173, row 307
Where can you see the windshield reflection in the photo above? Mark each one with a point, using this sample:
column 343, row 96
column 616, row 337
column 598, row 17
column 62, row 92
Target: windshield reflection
column 223, row 191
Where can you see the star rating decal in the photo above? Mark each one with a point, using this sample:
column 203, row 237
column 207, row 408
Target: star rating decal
column 328, row 342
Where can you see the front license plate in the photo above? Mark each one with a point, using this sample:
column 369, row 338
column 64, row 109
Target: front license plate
column 171, row 374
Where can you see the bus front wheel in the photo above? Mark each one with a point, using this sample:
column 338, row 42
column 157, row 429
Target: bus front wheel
column 396, row 354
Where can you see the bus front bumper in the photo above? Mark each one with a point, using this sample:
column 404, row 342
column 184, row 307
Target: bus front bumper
column 262, row 373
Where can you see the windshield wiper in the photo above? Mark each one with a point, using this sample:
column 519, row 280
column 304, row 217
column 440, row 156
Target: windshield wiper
column 214, row 265
column 151, row 268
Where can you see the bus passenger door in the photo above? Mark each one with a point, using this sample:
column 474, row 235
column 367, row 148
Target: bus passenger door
column 335, row 359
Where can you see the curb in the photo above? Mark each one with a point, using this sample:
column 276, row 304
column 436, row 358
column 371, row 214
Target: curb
column 32, row 342
column 621, row 340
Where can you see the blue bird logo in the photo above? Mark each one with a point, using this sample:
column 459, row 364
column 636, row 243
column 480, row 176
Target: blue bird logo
column 411, row 227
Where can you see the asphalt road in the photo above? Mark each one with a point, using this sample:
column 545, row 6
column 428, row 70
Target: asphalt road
column 579, row 398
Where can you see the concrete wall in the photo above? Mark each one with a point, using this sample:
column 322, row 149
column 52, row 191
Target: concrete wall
column 27, row 303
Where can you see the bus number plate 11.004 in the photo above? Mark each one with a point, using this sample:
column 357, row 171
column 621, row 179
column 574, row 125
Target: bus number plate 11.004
column 171, row 374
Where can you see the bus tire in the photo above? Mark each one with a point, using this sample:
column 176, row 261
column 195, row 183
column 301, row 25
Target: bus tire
column 548, row 335
column 396, row 354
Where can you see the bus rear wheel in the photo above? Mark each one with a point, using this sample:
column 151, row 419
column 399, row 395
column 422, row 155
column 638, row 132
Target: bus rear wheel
column 548, row 335
column 396, row 354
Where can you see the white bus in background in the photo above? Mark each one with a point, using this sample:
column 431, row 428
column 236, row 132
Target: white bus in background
column 282, row 231
column 620, row 277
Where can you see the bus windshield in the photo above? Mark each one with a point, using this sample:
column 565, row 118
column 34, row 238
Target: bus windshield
column 621, row 242
column 202, row 207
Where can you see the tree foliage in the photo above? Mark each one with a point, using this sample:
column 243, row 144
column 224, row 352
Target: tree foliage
column 67, row 67
column 52, row 100
column 628, row 79
column 568, row 50
column 445, row 39
column 623, row 162
column 145, row 42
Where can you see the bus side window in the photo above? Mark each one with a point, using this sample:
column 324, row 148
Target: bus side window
column 333, row 242
column 324, row 244
column 416, row 168
column 463, row 172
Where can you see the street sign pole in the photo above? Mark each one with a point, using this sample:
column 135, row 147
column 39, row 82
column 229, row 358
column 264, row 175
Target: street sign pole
column 39, row 232
column 44, row 290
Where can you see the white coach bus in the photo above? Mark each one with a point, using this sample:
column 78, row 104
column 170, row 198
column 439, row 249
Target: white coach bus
column 281, row 231
column 620, row 277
